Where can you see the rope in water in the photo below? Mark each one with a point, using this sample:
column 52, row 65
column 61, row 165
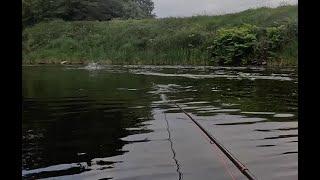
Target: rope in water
column 243, row 169
column 172, row 149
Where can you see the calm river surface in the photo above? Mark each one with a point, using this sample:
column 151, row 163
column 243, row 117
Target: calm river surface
column 117, row 123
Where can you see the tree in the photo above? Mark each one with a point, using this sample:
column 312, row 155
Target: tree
column 147, row 7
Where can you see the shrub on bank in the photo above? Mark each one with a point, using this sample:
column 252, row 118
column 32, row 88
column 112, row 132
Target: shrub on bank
column 249, row 44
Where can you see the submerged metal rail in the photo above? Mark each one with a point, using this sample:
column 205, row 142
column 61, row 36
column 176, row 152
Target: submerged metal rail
column 243, row 169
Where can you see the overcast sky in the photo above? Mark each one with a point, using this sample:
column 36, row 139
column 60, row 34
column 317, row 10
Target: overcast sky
column 168, row 8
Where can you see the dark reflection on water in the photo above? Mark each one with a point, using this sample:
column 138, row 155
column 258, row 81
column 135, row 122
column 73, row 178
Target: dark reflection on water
column 115, row 122
column 78, row 128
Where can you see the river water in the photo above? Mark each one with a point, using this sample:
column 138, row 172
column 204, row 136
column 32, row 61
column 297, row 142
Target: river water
column 119, row 122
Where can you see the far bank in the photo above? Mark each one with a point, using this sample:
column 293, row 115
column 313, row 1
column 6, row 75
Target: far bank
column 264, row 36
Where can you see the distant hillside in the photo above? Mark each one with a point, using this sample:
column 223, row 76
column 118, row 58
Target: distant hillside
column 256, row 36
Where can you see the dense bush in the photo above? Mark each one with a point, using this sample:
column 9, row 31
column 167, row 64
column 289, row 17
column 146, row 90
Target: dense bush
column 249, row 44
column 233, row 45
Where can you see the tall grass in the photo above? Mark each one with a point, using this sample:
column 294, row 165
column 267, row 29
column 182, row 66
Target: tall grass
column 150, row 41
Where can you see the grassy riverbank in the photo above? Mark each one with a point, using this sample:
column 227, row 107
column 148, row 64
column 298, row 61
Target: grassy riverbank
column 258, row 36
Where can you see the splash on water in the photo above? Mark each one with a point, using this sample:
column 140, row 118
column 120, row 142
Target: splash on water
column 93, row 66
column 163, row 97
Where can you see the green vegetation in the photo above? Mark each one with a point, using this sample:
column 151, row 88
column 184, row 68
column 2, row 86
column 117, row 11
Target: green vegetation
column 255, row 36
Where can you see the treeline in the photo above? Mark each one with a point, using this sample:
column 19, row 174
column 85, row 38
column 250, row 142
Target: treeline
column 35, row 11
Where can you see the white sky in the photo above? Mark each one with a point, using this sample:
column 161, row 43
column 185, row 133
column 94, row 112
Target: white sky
column 181, row 8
